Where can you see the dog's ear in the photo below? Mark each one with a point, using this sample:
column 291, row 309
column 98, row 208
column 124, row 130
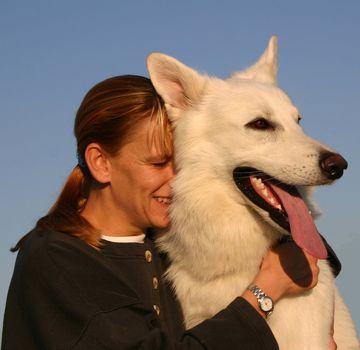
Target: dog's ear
column 179, row 85
column 265, row 69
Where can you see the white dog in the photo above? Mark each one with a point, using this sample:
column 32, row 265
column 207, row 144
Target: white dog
column 237, row 143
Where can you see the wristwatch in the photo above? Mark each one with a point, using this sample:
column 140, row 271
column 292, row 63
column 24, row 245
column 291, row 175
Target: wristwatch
column 266, row 304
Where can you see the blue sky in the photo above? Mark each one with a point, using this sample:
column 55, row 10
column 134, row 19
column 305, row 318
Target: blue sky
column 52, row 52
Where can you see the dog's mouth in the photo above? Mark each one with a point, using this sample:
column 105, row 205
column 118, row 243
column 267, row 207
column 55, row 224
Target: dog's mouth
column 284, row 205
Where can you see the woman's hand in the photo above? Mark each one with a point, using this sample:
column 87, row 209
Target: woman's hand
column 285, row 270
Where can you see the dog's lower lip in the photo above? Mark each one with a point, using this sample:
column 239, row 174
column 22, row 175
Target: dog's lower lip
column 242, row 177
column 265, row 192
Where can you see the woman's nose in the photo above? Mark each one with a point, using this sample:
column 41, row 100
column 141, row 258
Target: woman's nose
column 171, row 170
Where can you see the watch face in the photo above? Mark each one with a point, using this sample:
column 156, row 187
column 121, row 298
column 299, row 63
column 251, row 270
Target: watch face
column 266, row 304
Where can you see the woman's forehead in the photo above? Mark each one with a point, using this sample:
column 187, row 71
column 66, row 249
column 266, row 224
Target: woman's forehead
column 158, row 138
column 148, row 135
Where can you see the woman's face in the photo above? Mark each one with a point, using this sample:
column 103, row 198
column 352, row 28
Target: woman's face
column 140, row 182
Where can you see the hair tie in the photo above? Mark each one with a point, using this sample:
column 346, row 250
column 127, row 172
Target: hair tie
column 83, row 166
column 81, row 162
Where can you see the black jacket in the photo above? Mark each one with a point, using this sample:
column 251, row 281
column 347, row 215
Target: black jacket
column 65, row 294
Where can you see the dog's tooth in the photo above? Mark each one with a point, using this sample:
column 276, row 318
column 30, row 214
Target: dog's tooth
column 255, row 182
column 260, row 185
column 264, row 191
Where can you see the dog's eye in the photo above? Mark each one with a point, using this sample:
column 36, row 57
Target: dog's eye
column 260, row 124
column 299, row 118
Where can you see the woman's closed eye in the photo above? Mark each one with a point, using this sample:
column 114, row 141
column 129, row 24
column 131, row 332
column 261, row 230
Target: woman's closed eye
column 161, row 163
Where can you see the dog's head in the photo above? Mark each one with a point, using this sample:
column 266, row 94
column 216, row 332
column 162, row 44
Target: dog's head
column 246, row 130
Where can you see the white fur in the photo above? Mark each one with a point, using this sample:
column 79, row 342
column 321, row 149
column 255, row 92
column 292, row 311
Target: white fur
column 218, row 237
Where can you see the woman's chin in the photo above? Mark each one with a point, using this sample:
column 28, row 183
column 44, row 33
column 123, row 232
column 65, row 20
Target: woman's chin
column 161, row 221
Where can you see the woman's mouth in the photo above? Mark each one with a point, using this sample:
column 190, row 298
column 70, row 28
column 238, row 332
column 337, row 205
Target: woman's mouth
column 163, row 200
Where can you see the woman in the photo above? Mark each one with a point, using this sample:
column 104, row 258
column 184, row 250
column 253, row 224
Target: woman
column 89, row 276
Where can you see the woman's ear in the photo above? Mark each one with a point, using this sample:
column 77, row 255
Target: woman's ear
column 97, row 162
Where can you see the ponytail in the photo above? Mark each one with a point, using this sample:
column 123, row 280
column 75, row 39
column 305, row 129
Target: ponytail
column 64, row 215
column 72, row 196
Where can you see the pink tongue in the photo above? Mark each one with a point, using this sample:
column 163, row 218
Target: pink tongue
column 302, row 226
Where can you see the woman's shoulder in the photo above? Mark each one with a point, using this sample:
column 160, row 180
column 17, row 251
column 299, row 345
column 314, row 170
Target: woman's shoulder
column 55, row 256
column 46, row 246
column 49, row 254
column 41, row 237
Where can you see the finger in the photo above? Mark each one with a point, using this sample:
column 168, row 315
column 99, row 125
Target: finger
column 333, row 345
column 309, row 257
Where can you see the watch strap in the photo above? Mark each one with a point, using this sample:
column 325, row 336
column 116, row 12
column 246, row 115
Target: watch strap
column 260, row 296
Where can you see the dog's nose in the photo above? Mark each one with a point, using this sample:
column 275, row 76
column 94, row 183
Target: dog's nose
column 333, row 165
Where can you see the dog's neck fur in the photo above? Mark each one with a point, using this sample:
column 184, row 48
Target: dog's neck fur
column 206, row 248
